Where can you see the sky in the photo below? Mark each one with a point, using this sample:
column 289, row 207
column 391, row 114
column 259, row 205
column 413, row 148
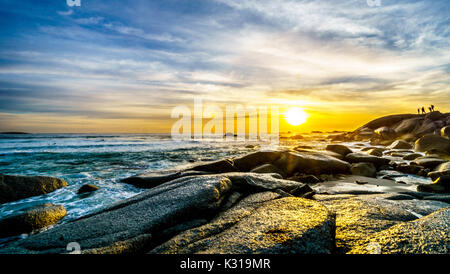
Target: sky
column 122, row 66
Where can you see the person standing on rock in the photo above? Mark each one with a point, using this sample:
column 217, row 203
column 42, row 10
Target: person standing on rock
column 432, row 107
column 423, row 110
column 429, row 108
column 418, row 111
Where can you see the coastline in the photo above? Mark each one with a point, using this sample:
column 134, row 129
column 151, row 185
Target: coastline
column 328, row 193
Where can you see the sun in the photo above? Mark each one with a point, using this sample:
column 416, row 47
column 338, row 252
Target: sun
column 295, row 116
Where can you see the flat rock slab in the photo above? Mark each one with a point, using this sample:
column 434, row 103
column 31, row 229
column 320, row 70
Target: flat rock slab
column 278, row 226
column 427, row 235
column 353, row 184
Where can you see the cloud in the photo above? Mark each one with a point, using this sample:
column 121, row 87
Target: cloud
column 119, row 58
column 65, row 13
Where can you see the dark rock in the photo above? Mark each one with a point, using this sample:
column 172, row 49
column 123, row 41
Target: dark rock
column 386, row 167
column 388, row 121
column 268, row 168
column 311, row 163
column 409, row 138
column 427, row 127
column 153, row 179
column 250, row 161
column 445, row 131
column 220, row 166
column 400, row 144
column 433, row 116
column 386, row 133
column 340, row 149
column 412, row 156
column 408, row 125
column 428, row 162
column 427, row 235
column 409, row 169
column 375, row 152
column 87, row 188
column 364, row 169
column 28, row 221
column 14, row 187
column 306, row 179
column 359, row 158
column 431, row 141
column 441, row 170
column 441, row 185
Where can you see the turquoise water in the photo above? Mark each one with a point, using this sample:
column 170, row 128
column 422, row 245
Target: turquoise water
column 97, row 159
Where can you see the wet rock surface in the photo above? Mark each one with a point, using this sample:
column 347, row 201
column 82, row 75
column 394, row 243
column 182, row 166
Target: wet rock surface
column 173, row 206
column 14, row 187
column 30, row 220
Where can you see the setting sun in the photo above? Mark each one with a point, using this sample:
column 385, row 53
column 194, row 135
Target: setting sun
column 295, row 116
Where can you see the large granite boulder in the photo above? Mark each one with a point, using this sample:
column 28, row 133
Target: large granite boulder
column 359, row 158
column 440, row 185
column 28, row 221
column 15, row 187
column 340, row 149
column 429, row 162
column 440, row 170
column 427, row 235
column 261, row 224
column 250, row 161
column 364, row 169
column 445, row 131
column 408, row 125
column 386, row 133
column 358, row 218
column 311, row 163
column 433, row 142
column 400, row 144
column 268, row 168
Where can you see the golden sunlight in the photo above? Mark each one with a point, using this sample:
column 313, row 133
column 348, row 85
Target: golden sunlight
column 295, row 116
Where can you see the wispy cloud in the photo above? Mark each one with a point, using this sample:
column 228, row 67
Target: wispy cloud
column 139, row 58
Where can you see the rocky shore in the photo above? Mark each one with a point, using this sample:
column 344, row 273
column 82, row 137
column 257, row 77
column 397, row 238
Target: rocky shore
column 344, row 197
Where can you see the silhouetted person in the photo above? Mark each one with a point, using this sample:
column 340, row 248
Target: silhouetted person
column 432, row 107
column 418, row 111
column 423, row 110
column 429, row 108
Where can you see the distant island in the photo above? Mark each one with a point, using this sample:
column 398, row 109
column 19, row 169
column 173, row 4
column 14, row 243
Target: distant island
column 14, row 132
